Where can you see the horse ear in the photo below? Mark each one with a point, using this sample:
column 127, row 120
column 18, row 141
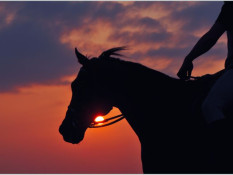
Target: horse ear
column 81, row 58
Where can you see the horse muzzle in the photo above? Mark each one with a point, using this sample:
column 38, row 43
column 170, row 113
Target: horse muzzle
column 70, row 136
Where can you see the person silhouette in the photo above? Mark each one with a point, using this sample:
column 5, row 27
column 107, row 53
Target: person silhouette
column 221, row 94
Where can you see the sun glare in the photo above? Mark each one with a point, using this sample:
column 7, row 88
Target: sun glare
column 99, row 119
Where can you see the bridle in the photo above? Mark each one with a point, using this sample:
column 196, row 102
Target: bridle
column 100, row 125
column 103, row 123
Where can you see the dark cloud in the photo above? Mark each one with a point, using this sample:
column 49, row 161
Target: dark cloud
column 110, row 11
column 144, row 23
column 198, row 16
column 140, row 37
column 30, row 47
column 31, row 52
column 164, row 5
column 148, row 22
column 30, row 55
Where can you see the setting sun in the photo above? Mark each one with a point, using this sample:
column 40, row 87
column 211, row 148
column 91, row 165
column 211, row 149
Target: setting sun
column 99, row 119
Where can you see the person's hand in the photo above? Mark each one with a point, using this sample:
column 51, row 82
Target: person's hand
column 185, row 70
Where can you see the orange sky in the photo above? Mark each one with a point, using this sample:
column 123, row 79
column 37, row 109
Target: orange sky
column 31, row 143
column 37, row 65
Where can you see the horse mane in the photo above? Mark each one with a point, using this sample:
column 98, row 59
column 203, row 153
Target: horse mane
column 113, row 51
column 136, row 67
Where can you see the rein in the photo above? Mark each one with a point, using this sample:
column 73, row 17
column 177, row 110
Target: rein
column 101, row 124
column 97, row 124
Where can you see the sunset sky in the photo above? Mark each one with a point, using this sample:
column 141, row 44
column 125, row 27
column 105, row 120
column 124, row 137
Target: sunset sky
column 37, row 64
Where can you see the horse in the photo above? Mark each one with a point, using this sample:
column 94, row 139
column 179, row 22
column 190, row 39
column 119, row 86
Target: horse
column 164, row 112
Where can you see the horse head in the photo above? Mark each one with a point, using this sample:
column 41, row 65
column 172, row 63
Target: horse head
column 90, row 97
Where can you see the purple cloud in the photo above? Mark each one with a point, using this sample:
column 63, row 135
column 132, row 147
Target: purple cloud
column 31, row 51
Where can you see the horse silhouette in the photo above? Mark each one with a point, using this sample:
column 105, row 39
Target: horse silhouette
column 164, row 112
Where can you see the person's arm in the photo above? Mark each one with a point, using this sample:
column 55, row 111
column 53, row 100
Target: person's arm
column 205, row 43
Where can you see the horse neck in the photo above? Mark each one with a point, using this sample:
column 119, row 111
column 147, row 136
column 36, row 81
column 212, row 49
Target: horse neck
column 135, row 83
column 149, row 98
column 139, row 93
